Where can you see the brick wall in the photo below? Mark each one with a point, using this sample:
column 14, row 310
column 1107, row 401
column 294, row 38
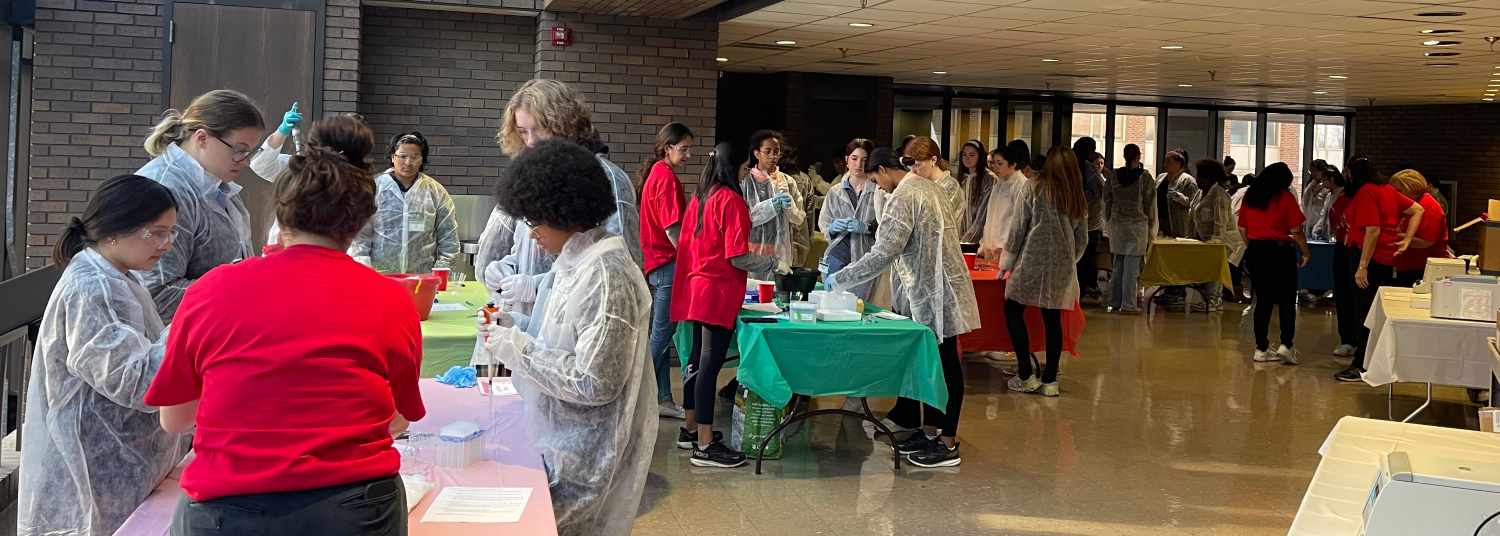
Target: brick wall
column 341, row 56
column 97, row 90
column 885, row 109
column 449, row 75
column 637, row 74
column 1453, row 142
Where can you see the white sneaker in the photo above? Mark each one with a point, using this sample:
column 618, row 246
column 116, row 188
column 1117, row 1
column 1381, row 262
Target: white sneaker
column 1000, row 356
column 1344, row 350
column 673, row 411
column 1289, row 355
column 1265, row 356
column 1029, row 385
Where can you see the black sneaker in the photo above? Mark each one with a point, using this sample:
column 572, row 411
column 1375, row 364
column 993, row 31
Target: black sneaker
column 918, row 442
column 1351, row 374
column 687, row 440
column 939, row 455
column 717, row 455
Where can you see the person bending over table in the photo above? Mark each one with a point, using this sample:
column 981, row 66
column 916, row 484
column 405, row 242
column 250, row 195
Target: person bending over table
column 414, row 229
column 1049, row 235
column 1431, row 240
column 94, row 451
column 850, row 216
column 1272, row 223
column 316, row 457
column 1375, row 241
column 1210, row 223
column 715, row 255
column 586, row 377
column 918, row 242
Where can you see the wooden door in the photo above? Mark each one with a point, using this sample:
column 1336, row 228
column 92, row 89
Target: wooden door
column 267, row 54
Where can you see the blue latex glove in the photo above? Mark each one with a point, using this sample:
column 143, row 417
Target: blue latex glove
column 461, row 377
column 829, row 284
column 289, row 121
column 856, row 226
column 838, row 226
column 781, row 201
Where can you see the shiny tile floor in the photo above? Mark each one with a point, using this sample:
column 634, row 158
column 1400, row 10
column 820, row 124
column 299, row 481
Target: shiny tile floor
column 1165, row 427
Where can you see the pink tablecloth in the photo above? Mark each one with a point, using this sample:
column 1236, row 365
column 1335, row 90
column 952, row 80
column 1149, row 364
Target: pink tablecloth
column 513, row 464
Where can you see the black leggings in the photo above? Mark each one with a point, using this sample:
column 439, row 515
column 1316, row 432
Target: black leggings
column 1020, row 338
column 1273, row 266
column 1380, row 275
column 905, row 412
column 698, row 396
column 1344, row 299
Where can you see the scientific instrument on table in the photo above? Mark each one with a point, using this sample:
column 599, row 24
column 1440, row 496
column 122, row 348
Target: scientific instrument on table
column 1414, row 494
column 1438, row 269
column 1467, row 297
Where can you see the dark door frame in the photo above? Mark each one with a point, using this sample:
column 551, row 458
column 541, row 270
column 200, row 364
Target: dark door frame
column 319, row 42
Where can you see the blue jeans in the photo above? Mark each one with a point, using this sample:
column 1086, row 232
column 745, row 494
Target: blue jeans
column 1124, row 282
column 662, row 328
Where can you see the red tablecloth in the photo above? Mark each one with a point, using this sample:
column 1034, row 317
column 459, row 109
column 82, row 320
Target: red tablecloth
column 993, row 335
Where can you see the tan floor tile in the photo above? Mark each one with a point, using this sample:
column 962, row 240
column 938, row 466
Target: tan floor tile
column 793, row 527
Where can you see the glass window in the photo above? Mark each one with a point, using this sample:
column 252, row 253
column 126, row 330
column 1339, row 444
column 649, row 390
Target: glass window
column 1188, row 130
column 1030, row 122
column 1089, row 120
column 1240, row 139
column 1284, row 143
column 917, row 116
column 1328, row 139
column 1137, row 125
column 974, row 119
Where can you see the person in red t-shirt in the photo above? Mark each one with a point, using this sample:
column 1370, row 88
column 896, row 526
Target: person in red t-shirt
column 715, row 255
column 1431, row 240
column 1271, row 222
column 1375, row 242
column 297, row 368
column 1343, row 269
column 662, row 202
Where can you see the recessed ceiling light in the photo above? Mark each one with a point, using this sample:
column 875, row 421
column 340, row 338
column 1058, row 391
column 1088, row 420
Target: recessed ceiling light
column 721, row 59
column 784, row 42
column 1337, row 76
column 1487, row 99
column 1184, row 85
column 1048, row 59
column 1441, row 54
column 1443, row 31
column 861, row 25
column 1441, row 14
column 1172, row 47
column 940, row 72
column 1494, row 85
column 1440, row 64
column 1320, row 93
column 1437, row 43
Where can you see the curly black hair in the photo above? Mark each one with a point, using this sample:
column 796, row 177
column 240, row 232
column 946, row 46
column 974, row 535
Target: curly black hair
column 556, row 183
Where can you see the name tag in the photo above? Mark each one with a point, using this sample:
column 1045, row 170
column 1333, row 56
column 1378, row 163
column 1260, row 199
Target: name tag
column 416, row 226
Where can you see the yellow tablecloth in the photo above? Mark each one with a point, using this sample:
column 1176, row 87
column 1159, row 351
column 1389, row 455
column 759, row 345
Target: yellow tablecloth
column 448, row 336
column 1171, row 262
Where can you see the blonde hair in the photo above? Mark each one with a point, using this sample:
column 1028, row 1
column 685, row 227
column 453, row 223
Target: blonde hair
column 218, row 112
column 1409, row 183
column 922, row 148
column 557, row 108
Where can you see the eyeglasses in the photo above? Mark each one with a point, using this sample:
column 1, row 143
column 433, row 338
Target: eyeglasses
column 240, row 155
column 771, row 152
column 684, row 149
column 408, row 158
column 158, row 238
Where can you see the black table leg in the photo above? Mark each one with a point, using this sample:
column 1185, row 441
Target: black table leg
column 798, row 416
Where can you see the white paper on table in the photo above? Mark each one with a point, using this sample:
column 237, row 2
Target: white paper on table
column 761, row 307
column 477, row 505
column 504, row 389
column 889, row 315
column 444, row 307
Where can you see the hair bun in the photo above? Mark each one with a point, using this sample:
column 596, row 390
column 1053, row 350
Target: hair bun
column 77, row 225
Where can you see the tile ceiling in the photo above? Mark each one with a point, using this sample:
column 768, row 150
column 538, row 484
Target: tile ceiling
column 1274, row 51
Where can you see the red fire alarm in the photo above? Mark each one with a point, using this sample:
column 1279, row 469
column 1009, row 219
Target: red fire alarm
column 561, row 36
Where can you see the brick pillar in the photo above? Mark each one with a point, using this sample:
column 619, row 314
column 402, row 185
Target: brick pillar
column 637, row 74
column 341, row 36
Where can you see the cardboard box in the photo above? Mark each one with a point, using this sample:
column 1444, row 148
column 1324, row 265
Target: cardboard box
column 1489, row 242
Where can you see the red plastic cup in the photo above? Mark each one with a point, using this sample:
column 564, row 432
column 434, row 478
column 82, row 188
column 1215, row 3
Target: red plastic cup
column 767, row 290
column 442, row 274
column 970, row 259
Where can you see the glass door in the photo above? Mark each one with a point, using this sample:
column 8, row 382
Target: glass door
column 1135, row 125
column 1030, row 122
column 974, row 119
column 1188, row 130
column 917, row 116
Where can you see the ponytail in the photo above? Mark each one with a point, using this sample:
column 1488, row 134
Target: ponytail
column 218, row 112
column 121, row 205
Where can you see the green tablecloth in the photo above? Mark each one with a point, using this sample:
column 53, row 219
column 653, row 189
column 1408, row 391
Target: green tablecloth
column 884, row 358
column 1171, row 262
column 448, row 336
